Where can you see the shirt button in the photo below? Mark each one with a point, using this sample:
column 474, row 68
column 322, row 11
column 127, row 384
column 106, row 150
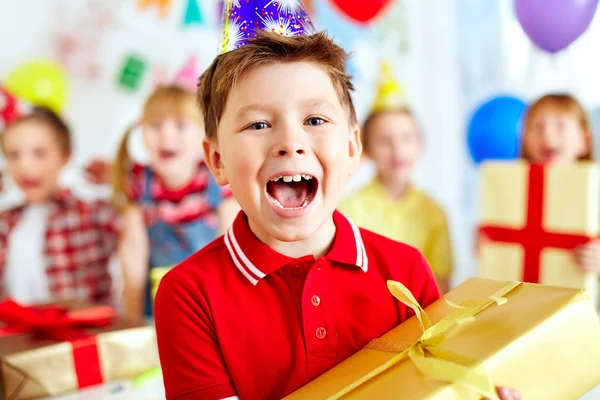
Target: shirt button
column 298, row 270
column 315, row 300
column 321, row 333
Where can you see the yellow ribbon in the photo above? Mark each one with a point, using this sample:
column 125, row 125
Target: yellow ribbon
column 426, row 354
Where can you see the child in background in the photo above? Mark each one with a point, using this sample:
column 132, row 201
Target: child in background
column 54, row 246
column 557, row 130
column 173, row 207
column 390, row 205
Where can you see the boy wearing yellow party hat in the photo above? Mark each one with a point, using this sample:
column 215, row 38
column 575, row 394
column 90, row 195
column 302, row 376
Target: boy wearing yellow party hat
column 390, row 205
column 293, row 287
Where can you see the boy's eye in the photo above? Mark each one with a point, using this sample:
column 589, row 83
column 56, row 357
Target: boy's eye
column 257, row 126
column 315, row 121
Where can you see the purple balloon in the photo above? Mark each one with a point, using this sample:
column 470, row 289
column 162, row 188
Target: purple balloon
column 554, row 24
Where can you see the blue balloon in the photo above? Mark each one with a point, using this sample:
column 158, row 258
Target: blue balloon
column 494, row 129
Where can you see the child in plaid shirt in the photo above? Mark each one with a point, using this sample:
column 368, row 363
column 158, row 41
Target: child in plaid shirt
column 173, row 207
column 54, row 246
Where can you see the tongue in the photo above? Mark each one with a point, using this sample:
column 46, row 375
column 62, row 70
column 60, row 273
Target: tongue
column 290, row 195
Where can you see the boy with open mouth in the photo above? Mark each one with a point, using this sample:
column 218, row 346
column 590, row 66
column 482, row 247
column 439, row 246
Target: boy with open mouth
column 294, row 287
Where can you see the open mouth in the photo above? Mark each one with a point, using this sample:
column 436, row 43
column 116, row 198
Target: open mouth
column 167, row 154
column 550, row 153
column 29, row 183
column 292, row 192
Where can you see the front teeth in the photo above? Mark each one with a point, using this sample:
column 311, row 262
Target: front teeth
column 292, row 178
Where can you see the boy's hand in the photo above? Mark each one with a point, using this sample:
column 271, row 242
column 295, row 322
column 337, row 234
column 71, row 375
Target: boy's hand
column 98, row 171
column 508, row 394
column 588, row 257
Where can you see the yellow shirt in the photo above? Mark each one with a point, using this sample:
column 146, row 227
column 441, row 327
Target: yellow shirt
column 415, row 219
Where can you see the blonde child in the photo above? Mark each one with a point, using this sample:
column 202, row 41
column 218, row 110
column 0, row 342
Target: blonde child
column 172, row 207
column 391, row 205
column 557, row 130
column 54, row 246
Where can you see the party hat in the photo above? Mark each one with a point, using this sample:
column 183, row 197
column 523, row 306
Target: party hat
column 11, row 108
column 188, row 75
column 390, row 94
column 243, row 18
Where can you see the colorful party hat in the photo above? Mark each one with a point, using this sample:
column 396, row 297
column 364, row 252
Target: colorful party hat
column 390, row 94
column 11, row 108
column 188, row 75
column 243, row 18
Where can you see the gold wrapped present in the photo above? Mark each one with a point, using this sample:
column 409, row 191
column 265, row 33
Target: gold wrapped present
column 47, row 351
column 533, row 216
column 544, row 341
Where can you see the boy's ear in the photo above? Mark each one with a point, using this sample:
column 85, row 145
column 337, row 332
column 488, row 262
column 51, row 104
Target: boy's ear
column 355, row 149
column 212, row 157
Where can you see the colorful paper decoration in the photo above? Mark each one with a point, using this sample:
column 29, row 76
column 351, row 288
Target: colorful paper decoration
column 132, row 72
column 193, row 15
column 80, row 36
column 160, row 76
column 188, row 75
column 162, row 5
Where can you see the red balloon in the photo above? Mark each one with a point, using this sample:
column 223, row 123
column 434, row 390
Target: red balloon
column 362, row 10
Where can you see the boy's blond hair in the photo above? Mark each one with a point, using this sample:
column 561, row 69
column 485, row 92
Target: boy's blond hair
column 267, row 47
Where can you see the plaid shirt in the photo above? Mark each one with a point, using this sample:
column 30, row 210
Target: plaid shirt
column 80, row 239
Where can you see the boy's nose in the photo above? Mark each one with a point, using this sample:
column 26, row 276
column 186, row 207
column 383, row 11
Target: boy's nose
column 289, row 150
column 289, row 144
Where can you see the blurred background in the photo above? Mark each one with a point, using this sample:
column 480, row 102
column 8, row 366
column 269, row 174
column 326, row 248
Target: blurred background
column 449, row 55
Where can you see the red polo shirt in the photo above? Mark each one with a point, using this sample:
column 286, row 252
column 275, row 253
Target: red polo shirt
column 238, row 318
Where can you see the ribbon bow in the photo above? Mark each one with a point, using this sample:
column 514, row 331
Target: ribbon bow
column 426, row 353
column 52, row 322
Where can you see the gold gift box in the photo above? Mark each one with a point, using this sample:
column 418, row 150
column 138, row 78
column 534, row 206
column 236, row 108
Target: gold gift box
column 568, row 201
column 31, row 368
column 544, row 341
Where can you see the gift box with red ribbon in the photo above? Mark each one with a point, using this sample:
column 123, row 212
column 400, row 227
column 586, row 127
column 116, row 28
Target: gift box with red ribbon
column 51, row 350
column 533, row 217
